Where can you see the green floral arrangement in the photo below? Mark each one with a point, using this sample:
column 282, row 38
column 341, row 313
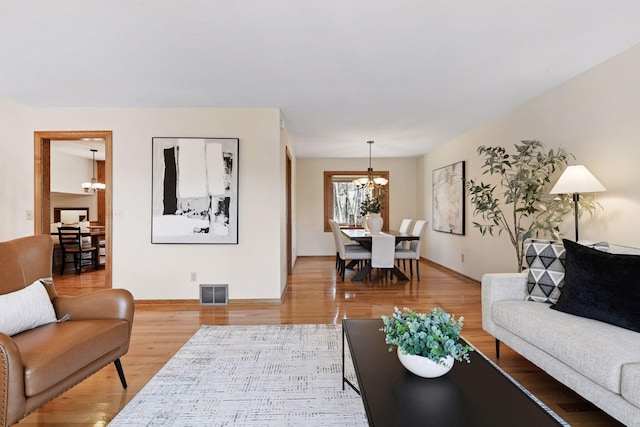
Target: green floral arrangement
column 434, row 335
column 371, row 204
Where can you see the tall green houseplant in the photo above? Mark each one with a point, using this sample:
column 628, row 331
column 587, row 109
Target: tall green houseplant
column 520, row 204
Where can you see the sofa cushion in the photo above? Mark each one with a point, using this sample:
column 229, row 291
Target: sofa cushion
column 601, row 286
column 545, row 269
column 26, row 309
column 594, row 349
column 630, row 386
column 52, row 353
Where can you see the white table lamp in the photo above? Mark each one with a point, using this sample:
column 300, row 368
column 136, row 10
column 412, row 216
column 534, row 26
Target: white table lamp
column 575, row 180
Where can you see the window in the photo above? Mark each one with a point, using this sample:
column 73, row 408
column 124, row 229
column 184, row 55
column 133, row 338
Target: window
column 346, row 201
column 342, row 199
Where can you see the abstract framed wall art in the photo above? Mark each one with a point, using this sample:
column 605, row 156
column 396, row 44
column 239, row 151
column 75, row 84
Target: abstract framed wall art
column 448, row 199
column 195, row 190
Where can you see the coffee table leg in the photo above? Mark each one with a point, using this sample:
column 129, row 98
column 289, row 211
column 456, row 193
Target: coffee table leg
column 344, row 373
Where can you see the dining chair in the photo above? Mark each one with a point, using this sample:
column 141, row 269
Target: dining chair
column 346, row 251
column 405, row 225
column 338, row 236
column 73, row 250
column 413, row 252
column 335, row 242
column 383, row 251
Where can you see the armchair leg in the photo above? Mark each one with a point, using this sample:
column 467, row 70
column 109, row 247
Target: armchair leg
column 497, row 348
column 120, row 373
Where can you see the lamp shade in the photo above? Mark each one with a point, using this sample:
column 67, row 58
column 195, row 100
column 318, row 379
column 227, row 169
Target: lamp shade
column 577, row 179
column 380, row 181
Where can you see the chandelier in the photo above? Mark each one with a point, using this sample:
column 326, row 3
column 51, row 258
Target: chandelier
column 94, row 185
column 370, row 182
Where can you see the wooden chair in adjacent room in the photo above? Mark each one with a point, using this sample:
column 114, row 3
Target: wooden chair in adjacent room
column 73, row 250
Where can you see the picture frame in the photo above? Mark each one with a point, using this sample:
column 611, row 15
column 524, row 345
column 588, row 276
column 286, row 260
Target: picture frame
column 448, row 199
column 194, row 190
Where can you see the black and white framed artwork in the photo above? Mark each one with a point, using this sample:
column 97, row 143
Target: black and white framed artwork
column 448, row 199
column 195, row 190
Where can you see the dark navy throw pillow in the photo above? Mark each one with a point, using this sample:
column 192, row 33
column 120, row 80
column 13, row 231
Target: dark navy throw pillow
column 601, row 286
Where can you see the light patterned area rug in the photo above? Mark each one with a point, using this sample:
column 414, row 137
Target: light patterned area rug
column 268, row 375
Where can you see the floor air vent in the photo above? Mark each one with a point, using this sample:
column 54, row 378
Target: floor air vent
column 214, row 294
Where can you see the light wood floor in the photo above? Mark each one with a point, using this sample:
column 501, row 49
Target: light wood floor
column 313, row 296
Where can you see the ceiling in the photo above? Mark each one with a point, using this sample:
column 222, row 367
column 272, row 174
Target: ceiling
column 408, row 74
column 80, row 147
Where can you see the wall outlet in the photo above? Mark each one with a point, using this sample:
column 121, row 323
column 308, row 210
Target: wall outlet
column 194, row 276
column 461, row 257
column 29, row 215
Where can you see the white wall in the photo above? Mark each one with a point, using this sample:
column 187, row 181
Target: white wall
column 16, row 170
column 68, row 172
column 312, row 239
column 251, row 268
column 595, row 117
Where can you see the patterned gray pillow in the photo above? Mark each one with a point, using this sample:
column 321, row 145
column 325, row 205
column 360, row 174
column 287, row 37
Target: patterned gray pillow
column 545, row 269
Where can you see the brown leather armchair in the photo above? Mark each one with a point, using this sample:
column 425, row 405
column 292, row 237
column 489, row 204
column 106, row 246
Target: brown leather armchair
column 40, row 364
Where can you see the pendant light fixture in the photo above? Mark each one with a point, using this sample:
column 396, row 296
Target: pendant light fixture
column 94, row 185
column 370, row 182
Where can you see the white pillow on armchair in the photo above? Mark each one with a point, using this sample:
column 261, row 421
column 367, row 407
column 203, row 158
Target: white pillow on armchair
column 26, row 309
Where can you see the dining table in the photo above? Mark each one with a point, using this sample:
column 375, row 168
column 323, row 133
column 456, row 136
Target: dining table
column 364, row 238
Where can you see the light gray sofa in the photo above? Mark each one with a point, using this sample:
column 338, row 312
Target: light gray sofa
column 599, row 361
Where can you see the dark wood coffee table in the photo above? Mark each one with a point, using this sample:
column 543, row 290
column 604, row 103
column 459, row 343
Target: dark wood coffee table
column 471, row 394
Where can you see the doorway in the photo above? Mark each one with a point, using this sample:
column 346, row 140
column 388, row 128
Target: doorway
column 42, row 183
column 288, row 213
